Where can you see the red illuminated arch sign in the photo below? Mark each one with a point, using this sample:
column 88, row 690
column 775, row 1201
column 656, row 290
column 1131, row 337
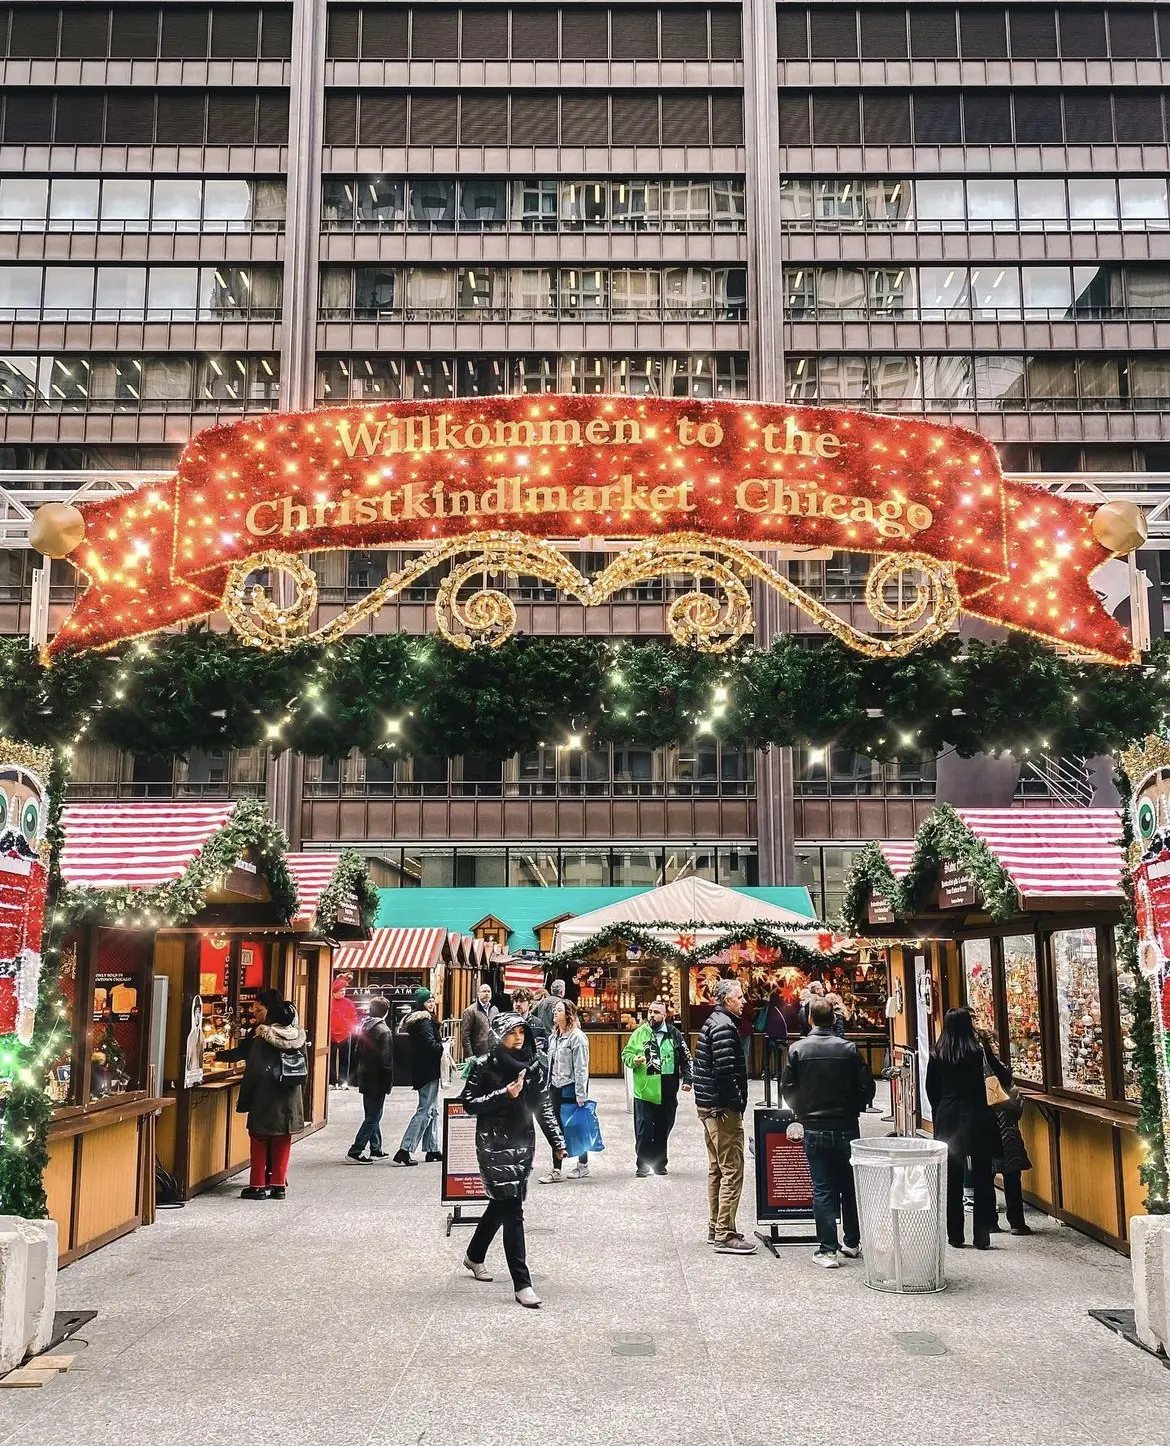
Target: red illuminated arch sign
column 502, row 478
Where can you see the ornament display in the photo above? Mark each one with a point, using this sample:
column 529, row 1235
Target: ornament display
column 503, row 483
column 57, row 529
column 1120, row 526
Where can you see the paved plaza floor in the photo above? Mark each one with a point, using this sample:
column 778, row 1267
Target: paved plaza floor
column 341, row 1317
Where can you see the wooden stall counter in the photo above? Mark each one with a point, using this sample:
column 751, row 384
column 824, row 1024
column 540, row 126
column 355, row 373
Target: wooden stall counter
column 100, row 1176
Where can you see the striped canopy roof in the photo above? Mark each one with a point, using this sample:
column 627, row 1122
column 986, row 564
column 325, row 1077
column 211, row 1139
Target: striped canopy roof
column 393, row 949
column 312, row 874
column 135, row 845
column 898, row 853
column 1053, row 853
column 521, row 974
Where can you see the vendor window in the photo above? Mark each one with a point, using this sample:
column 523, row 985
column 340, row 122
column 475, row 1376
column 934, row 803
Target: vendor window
column 119, row 1024
column 1078, row 1010
column 232, row 972
column 1022, row 996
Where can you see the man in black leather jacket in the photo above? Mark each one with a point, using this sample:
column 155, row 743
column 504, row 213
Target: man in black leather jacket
column 720, row 1077
column 828, row 1084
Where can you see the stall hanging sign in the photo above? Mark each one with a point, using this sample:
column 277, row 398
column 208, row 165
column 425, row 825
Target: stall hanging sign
column 497, row 481
column 956, row 888
column 1148, row 770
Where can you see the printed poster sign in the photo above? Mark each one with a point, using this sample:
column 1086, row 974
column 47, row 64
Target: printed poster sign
column 784, row 1188
column 461, row 1182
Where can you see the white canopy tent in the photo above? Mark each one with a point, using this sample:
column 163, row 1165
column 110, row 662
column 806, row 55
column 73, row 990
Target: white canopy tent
column 696, row 907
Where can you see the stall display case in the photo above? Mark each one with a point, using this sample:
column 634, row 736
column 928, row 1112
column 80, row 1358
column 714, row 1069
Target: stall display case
column 1025, row 1051
column 617, row 996
column 1078, row 1011
column 980, row 982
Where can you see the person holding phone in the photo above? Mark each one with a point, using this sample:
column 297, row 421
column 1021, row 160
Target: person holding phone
column 505, row 1092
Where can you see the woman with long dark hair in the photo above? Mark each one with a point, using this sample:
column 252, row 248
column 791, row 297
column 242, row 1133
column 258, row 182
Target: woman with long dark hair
column 965, row 1122
column 272, row 1092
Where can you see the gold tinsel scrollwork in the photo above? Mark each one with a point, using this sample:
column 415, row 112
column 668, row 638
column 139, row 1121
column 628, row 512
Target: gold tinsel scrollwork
column 710, row 621
column 933, row 594
column 488, row 616
column 258, row 617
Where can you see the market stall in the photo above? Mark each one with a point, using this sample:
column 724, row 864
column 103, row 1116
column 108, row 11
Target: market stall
column 675, row 943
column 1014, row 912
column 177, row 917
column 395, row 962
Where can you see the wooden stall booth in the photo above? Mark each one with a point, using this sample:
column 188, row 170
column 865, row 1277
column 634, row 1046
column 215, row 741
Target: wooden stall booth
column 395, row 962
column 179, row 916
column 615, row 961
column 1014, row 913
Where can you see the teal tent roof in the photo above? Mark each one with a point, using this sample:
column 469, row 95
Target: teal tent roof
column 523, row 909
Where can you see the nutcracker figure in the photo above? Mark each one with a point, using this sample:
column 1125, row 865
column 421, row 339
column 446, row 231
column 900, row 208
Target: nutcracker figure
column 1148, row 770
column 24, row 879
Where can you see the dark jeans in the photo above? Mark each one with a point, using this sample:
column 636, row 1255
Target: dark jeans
column 564, row 1095
column 653, row 1124
column 370, row 1129
column 827, row 1152
column 510, row 1215
column 983, row 1184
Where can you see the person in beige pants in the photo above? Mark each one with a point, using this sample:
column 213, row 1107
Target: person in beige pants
column 720, row 1077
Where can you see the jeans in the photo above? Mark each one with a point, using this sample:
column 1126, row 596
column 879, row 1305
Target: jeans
column 510, row 1215
column 564, row 1095
column 724, row 1140
column 268, row 1156
column 370, row 1129
column 983, row 1182
column 421, row 1129
column 827, row 1152
column 653, row 1124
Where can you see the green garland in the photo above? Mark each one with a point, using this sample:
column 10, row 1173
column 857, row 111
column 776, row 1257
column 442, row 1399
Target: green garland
column 408, row 695
column 941, row 836
column 643, row 937
column 351, row 879
column 173, row 903
column 1153, row 1169
column 28, row 1108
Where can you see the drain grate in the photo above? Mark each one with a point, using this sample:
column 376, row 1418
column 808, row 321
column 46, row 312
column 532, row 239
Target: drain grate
column 631, row 1343
column 920, row 1343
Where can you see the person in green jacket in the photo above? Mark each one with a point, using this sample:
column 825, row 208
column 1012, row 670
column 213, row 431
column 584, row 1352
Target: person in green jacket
column 660, row 1059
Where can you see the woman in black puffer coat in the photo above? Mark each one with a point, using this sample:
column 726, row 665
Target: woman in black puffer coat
column 505, row 1091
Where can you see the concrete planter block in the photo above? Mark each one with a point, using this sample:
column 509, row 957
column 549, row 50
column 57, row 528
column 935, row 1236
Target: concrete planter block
column 28, row 1283
column 1149, row 1254
column 13, row 1299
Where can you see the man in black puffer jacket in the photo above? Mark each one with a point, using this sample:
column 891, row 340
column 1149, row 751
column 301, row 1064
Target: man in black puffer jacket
column 828, row 1084
column 720, row 1076
column 505, row 1091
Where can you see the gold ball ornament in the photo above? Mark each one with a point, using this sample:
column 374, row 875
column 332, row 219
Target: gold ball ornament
column 1120, row 527
column 57, row 528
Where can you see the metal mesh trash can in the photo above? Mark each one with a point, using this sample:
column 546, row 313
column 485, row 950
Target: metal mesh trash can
column 902, row 1204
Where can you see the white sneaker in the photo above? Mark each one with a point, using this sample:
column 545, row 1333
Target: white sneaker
column 828, row 1259
column 528, row 1297
column 554, row 1177
column 478, row 1269
column 851, row 1252
column 579, row 1172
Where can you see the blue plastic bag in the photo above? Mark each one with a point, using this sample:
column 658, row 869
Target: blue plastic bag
column 582, row 1132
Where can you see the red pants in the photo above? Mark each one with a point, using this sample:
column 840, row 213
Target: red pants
column 269, row 1160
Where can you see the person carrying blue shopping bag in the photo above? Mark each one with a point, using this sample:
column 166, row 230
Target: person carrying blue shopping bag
column 568, row 1074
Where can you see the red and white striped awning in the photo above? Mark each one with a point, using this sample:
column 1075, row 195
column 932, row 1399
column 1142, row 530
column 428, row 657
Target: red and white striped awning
column 135, row 845
column 312, row 874
column 393, row 949
column 898, row 853
column 1053, row 853
column 520, row 974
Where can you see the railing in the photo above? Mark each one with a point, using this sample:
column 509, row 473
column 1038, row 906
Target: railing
column 617, row 788
column 546, row 224
column 1067, row 780
column 122, row 788
column 553, row 311
column 140, row 313
column 137, row 404
column 75, row 225
column 972, row 313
